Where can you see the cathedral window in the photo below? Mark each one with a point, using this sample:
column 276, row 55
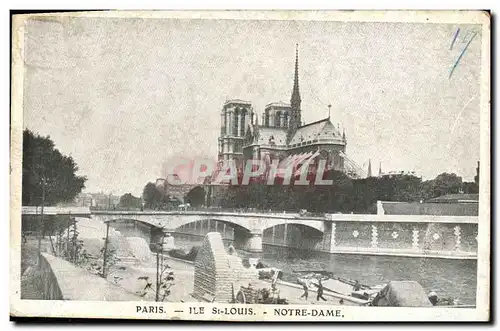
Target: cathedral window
column 277, row 119
column 242, row 122
column 235, row 121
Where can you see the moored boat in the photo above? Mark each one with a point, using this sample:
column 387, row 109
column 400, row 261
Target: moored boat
column 180, row 254
column 338, row 285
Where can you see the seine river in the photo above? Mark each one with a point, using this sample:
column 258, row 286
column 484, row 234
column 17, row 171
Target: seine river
column 448, row 278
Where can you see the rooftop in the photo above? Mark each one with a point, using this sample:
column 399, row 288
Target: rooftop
column 271, row 134
column 316, row 131
column 238, row 101
column 278, row 104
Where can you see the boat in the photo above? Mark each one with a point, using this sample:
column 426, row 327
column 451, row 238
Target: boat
column 338, row 285
column 181, row 254
column 411, row 294
column 392, row 294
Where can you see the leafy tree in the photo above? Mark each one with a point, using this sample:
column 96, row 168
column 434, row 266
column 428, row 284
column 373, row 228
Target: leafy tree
column 49, row 177
column 129, row 201
column 470, row 187
column 365, row 193
column 444, row 183
column 196, row 196
column 426, row 190
column 344, row 195
column 153, row 198
column 404, row 188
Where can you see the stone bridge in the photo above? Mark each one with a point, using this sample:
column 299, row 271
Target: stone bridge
column 399, row 235
column 248, row 227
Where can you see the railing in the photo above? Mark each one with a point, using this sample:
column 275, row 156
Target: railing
column 76, row 211
column 36, row 210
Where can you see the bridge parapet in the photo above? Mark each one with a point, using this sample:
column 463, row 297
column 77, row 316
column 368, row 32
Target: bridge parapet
column 401, row 218
column 294, row 216
column 75, row 211
column 407, row 235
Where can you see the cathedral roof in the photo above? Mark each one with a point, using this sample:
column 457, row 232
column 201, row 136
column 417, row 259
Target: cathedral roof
column 267, row 135
column 315, row 131
column 237, row 101
column 278, row 104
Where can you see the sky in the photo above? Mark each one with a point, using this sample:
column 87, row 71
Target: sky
column 123, row 96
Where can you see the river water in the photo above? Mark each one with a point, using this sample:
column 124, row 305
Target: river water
column 446, row 277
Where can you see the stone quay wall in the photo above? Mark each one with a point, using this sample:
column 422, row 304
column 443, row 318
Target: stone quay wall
column 62, row 280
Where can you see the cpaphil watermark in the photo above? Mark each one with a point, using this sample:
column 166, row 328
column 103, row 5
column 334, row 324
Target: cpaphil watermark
column 182, row 171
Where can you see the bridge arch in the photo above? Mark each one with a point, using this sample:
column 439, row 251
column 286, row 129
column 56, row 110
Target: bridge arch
column 134, row 227
column 172, row 221
column 233, row 222
column 313, row 226
column 299, row 235
column 114, row 219
column 246, row 231
column 218, row 222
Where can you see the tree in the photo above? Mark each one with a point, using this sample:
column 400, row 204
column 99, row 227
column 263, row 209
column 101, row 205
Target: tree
column 404, row 188
column 470, row 187
column 444, row 183
column 153, row 198
column 196, row 196
column 327, row 198
column 49, row 177
column 129, row 201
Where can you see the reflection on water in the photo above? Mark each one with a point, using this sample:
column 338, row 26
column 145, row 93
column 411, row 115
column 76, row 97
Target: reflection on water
column 448, row 278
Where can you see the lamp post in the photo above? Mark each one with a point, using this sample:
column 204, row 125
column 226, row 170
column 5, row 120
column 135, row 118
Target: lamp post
column 40, row 232
column 159, row 268
column 105, row 251
column 157, row 289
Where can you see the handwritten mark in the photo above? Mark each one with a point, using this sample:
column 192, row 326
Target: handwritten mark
column 454, row 38
column 461, row 54
column 459, row 115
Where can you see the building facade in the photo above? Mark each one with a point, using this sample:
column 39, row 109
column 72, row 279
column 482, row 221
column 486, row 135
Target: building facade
column 282, row 135
column 236, row 115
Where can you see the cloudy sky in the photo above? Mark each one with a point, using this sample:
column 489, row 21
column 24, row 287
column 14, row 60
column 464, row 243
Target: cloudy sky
column 123, row 96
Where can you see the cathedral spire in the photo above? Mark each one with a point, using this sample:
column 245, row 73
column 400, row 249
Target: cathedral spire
column 295, row 92
column 369, row 168
column 295, row 112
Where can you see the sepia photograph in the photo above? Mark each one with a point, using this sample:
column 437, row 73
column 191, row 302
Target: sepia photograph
column 251, row 166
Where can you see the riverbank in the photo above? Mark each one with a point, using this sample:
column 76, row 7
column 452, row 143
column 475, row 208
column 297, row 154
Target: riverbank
column 184, row 279
column 447, row 277
column 182, row 288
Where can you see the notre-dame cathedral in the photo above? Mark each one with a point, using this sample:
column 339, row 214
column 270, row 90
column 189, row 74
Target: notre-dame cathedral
column 282, row 134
